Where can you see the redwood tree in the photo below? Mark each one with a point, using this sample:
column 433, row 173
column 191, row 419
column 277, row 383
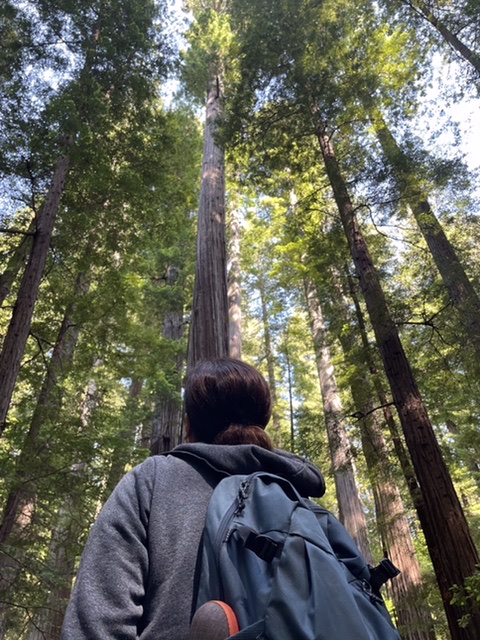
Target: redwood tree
column 205, row 71
column 450, row 544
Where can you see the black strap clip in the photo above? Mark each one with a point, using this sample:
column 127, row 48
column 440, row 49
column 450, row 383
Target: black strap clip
column 382, row 573
column 263, row 546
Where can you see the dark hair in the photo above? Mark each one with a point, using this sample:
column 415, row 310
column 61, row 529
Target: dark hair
column 228, row 402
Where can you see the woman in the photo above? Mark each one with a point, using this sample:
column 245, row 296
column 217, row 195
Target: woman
column 136, row 575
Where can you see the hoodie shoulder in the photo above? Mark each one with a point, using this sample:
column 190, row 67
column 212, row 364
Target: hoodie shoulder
column 229, row 460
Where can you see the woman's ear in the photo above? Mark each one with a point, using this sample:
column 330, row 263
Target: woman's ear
column 189, row 437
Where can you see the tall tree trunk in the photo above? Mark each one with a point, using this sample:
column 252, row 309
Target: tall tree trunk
column 276, row 428
column 21, row 495
column 234, row 290
column 413, row 616
column 460, row 47
column 16, row 262
column 19, row 328
column 451, row 547
column 47, row 407
column 351, row 511
column 290, row 395
column 63, row 549
column 453, row 274
column 168, row 415
column 209, row 322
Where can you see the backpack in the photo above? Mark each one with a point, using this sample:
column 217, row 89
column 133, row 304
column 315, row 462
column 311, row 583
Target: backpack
column 287, row 567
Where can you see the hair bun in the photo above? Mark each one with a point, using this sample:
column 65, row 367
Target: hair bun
column 244, row 434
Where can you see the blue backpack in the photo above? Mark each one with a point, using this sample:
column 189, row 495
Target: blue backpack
column 287, row 567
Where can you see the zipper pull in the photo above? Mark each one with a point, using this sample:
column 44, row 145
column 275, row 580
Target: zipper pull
column 241, row 497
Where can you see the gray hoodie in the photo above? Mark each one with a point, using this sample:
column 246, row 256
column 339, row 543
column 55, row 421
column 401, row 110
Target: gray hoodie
column 136, row 575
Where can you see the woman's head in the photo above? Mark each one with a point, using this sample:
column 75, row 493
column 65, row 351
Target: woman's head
column 228, row 402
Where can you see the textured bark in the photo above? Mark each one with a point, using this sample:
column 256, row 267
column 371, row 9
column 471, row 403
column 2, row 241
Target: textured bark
column 15, row 263
column 453, row 275
column 425, row 11
column 234, row 290
column 351, row 510
column 209, row 321
column 413, row 616
column 19, row 327
column 168, row 415
column 451, row 547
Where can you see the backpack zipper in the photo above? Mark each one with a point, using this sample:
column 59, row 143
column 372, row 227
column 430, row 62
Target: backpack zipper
column 225, row 529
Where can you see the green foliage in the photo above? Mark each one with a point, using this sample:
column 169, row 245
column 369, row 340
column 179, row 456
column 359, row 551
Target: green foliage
column 210, row 53
column 94, row 69
column 468, row 596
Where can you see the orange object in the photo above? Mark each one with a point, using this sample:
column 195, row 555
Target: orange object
column 230, row 616
column 214, row 620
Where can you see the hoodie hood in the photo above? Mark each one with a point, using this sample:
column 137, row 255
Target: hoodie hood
column 244, row 459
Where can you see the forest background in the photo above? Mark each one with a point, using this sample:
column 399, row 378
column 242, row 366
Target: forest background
column 343, row 262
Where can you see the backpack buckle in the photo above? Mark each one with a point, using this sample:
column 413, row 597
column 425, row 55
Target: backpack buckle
column 382, row 573
column 264, row 547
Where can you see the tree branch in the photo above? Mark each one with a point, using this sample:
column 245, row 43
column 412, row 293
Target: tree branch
column 359, row 415
column 14, row 232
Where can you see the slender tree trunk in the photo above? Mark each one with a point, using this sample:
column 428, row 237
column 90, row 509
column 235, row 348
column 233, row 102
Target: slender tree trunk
column 425, row 11
column 452, row 550
column 351, row 511
column 63, row 550
column 11, row 565
column 47, row 407
column 19, row 328
column 47, row 624
column 234, row 290
column 453, row 274
column 21, row 496
column 290, row 395
column 276, row 428
column 168, row 415
column 209, row 322
column 15, row 263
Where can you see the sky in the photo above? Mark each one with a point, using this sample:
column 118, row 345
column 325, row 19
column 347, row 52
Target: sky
column 439, row 106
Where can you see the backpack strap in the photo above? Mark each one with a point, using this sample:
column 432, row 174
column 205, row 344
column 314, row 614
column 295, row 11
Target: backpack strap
column 196, row 577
